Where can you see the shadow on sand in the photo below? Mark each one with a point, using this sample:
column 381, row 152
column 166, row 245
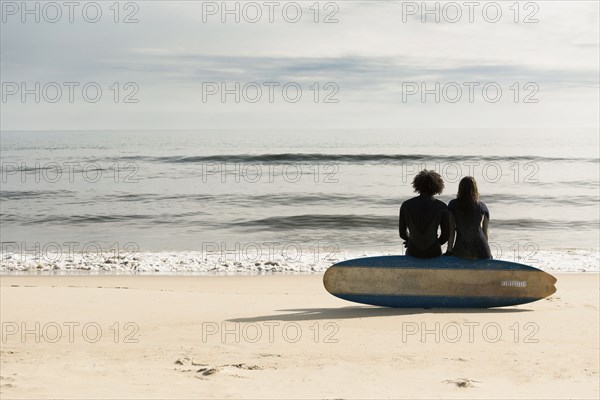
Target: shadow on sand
column 309, row 314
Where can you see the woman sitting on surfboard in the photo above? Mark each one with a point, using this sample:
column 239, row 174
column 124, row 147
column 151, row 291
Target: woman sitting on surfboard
column 470, row 218
column 421, row 216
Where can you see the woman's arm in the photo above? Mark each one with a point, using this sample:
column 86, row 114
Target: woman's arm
column 485, row 225
column 452, row 228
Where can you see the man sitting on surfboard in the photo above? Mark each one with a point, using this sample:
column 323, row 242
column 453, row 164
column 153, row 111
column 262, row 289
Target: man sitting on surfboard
column 421, row 216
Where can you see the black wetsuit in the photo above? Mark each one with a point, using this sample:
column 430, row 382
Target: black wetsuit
column 470, row 239
column 422, row 216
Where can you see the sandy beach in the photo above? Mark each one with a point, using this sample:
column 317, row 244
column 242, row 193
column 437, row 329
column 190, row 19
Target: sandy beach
column 284, row 336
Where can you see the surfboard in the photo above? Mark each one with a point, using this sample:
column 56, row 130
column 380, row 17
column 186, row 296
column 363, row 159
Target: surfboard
column 450, row 282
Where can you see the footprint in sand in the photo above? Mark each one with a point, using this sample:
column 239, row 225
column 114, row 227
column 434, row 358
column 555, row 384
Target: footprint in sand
column 189, row 361
column 268, row 355
column 243, row 366
column 5, row 382
column 207, row 369
column 462, row 383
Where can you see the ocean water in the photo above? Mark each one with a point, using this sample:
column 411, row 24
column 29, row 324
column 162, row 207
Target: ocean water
column 244, row 201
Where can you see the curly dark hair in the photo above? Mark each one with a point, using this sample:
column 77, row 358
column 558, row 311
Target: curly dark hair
column 428, row 182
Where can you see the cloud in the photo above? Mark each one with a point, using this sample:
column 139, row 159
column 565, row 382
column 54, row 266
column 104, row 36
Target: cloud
column 369, row 53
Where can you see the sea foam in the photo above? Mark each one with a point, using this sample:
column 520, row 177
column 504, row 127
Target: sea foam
column 564, row 260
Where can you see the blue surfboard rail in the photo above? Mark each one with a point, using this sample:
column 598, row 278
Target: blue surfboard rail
column 435, row 301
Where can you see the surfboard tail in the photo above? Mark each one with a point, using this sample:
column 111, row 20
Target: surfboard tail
column 550, row 283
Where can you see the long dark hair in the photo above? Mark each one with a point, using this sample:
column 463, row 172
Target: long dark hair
column 468, row 195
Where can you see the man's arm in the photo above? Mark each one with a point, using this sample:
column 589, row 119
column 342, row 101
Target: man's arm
column 444, row 227
column 402, row 225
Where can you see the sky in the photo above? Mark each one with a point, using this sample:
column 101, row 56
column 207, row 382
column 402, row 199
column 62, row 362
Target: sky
column 328, row 64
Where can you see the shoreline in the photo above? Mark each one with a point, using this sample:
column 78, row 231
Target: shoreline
column 268, row 336
column 198, row 262
column 79, row 273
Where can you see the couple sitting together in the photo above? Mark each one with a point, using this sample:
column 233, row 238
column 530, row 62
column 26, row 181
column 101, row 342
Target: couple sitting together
column 464, row 218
